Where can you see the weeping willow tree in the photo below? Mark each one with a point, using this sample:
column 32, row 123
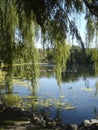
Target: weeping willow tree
column 21, row 49
column 92, row 29
column 92, row 35
column 54, row 18
column 8, row 22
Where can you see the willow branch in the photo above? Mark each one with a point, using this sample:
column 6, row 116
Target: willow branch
column 91, row 8
column 75, row 31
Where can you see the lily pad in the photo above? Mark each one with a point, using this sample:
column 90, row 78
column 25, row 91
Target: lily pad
column 61, row 96
column 69, row 107
column 87, row 89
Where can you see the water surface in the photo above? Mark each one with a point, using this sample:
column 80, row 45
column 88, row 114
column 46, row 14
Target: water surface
column 74, row 100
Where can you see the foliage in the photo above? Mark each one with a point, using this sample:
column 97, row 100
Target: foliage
column 77, row 57
column 2, row 77
column 61, row 55
column 21, row 20
column 12, row 100
column 95, row 58
column 95, row 54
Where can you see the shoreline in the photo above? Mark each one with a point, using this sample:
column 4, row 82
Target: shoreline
column 15, row 118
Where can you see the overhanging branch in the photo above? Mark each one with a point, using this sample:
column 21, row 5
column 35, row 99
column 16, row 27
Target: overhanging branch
column 93, row 7
column 72, row 25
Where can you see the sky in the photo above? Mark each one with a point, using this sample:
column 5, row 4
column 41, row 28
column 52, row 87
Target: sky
column 81, row 25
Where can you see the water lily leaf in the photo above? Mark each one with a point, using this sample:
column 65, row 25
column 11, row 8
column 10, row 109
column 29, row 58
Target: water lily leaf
column 61, row 96
column 87, row 89
column 45, row 104
column 28, row 97
column 69, row 107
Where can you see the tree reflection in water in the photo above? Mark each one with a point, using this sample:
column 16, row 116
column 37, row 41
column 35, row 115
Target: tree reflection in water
column 17, row 73
column 22, row 74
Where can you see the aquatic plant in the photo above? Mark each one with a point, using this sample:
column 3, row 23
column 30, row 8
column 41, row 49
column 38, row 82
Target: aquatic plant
column 12, row 100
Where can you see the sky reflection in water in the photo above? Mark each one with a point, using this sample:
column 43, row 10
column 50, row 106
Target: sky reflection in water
column 79, row 92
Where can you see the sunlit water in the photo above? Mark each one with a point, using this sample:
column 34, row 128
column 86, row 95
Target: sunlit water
column 74, row 100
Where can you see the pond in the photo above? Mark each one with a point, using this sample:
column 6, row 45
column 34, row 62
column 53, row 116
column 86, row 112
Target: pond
column 74, row 100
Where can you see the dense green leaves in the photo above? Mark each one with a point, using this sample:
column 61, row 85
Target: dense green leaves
column 22, row 19
column 61, row 55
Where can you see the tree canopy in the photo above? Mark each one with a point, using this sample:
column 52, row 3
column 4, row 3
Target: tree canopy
column 21, row 20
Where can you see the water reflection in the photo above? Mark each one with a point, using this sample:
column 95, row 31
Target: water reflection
column 86, row 82
column 18, row 75
column 78, row 88
column 81, row 71
column 77, row 92
column 96, row 92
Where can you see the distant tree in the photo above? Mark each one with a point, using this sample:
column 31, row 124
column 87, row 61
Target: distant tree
column 55, row 20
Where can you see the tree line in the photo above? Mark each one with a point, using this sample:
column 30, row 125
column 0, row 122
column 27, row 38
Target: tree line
column 56, row 20
column 76, row 56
